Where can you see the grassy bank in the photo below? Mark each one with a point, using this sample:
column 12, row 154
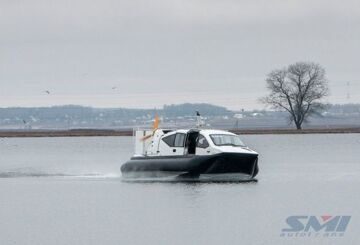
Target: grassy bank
column 303, row 131
column 103, row 132
column 64, row 133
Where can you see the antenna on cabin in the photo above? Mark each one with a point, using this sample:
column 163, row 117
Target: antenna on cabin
column 199, row 122
column 237, row 124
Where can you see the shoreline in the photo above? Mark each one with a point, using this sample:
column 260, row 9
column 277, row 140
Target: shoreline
column 129, row 132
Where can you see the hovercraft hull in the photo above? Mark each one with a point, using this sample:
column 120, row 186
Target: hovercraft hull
column 241, row 166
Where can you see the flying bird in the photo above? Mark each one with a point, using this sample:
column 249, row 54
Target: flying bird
column 113, row 88
column 47, row 91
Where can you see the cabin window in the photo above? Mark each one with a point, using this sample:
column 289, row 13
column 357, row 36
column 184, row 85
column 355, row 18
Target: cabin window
column 226, row 139
column 179, row 140
column 202, row 142
column 169, row 140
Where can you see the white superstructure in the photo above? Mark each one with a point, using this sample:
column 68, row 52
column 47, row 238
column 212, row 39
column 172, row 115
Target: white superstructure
column 188, row 142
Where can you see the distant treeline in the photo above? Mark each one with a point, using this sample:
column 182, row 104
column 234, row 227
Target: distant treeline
column 72, row 116
column 83, row 112
column 190, row 109
column 343, row 109
column 68, row 114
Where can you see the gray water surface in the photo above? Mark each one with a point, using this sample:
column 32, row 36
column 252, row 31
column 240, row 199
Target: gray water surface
column 70, row 191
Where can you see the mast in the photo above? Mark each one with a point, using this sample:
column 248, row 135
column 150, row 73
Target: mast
column 199, row 122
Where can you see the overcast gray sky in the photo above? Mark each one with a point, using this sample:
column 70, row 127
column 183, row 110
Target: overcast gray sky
column 170, row 51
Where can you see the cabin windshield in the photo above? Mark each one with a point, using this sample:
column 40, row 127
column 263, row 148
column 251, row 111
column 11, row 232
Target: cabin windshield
column 226, row 139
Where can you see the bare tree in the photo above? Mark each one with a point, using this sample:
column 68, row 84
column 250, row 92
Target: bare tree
column 298, row 89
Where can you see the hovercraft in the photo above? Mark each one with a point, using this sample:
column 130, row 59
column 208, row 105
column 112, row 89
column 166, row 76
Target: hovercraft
column 196, row 153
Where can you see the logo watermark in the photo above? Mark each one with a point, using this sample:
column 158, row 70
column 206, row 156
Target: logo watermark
column 316, row 226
